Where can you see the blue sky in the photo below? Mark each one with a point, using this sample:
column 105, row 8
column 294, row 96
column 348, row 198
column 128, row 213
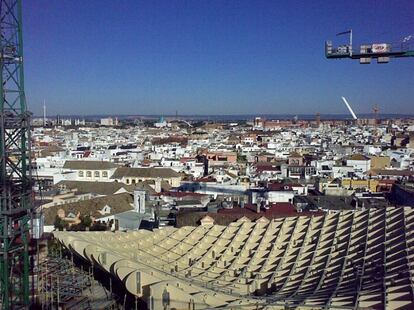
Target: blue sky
column 211, row 57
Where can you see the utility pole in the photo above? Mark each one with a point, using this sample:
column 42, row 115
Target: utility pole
column 16, row 207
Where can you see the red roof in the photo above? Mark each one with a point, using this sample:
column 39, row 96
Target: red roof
column 279, row 187
column 206, row 179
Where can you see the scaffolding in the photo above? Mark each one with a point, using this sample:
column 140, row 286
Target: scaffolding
column 62, row 285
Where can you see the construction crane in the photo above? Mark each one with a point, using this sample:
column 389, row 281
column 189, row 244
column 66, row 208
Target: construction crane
column 382, row 52
column 16, row 203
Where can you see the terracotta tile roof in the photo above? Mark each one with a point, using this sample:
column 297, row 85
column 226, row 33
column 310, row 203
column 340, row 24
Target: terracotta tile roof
column 103, row 188
column 358, row 157
column 144, row 173
column 206, row 179
column 119, row 203
column 181, row 194
column 89, row 165
column 391, row 172
column 279, row 187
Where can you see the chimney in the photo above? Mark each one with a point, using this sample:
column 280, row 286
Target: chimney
column 258, row 207
column 157, row 187
column 139, row 201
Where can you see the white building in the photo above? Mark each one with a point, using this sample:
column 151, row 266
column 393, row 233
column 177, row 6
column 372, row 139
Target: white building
column 89, row 170
column 109, row 121
column 360, row 163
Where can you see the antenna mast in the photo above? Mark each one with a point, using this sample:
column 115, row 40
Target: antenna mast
column 44, row 112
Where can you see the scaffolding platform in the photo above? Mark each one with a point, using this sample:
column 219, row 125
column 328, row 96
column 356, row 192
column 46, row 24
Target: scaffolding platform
column 61, row 285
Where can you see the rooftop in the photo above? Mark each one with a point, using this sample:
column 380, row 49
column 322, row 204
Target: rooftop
column 144, row 173
column 119, row 203
column 89, row 165
column 103, row 188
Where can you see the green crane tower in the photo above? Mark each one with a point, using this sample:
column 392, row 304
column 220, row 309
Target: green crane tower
column 16, row 207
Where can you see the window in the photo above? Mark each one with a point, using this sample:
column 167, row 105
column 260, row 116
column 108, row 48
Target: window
column 80, row 174
column 104, row 174
column 106, row 210
column 133, row 181
column 127, row 181
column 88, row 174
column 96, row 174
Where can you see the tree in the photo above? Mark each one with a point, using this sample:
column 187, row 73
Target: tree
column 86, row 221
column 60, row 223
column 241, row 158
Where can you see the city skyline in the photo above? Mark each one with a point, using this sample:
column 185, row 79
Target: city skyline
column 210, row 58
column 206, row 154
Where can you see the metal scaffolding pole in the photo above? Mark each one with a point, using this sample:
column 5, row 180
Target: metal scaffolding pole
column 62, row 285
column 15, row 179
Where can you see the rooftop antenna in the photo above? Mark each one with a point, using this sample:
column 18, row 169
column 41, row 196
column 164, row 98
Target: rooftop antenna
column 44, row 112
column 349, row 108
